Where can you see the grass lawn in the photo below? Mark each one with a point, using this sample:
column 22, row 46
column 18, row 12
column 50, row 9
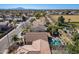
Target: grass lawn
column 74, row 18
column 75, row 23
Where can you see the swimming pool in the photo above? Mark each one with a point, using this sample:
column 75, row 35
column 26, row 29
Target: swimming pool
column 56, row 42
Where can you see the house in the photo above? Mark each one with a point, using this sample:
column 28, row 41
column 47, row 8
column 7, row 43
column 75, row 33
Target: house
column 3, row 25
column 35, row 43
column 1, row 18
column 18, row 18
column 72, row 12
column 8, row 17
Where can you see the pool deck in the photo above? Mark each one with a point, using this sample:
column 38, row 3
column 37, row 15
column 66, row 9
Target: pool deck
column 59, row 50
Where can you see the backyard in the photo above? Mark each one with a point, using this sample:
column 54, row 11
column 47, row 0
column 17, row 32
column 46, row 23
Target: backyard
column 38, row 25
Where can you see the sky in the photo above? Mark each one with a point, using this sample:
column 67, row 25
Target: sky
column 40, row 6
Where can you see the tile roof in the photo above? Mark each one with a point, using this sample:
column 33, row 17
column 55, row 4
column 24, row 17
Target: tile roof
column 32, row 36
column 39, row 43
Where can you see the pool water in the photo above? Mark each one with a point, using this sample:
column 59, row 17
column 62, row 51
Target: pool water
column 56, row 42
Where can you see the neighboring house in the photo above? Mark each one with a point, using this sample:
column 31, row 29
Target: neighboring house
column 18, row 18
column 35, row 43
column 30, row 14
column 3, row 25
column 8, row 17
column 1, row 19
column 72, row 12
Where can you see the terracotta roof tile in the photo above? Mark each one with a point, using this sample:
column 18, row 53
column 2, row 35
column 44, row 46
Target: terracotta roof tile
column 40, row 41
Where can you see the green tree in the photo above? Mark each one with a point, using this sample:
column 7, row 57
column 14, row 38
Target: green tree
column 43, row 14
column 74, row 48
column 70, row 48
column 24, row 18
column 75, row 36
column 15, row 38
column 52, row 28
column 61, row 20
column 37, row 15
column 24, row 30
column 49, row 29
column 10, row 21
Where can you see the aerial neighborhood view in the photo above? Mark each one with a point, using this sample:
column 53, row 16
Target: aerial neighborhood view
column 39, row 29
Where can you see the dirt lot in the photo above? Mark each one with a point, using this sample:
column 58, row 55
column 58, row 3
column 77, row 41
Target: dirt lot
column 74, row 18
column 39, row 22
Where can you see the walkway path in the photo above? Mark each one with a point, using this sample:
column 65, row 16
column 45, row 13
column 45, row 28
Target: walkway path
column 65, row 38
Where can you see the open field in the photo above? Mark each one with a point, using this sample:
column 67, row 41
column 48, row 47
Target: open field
column 74, row 18
column 76, row 23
